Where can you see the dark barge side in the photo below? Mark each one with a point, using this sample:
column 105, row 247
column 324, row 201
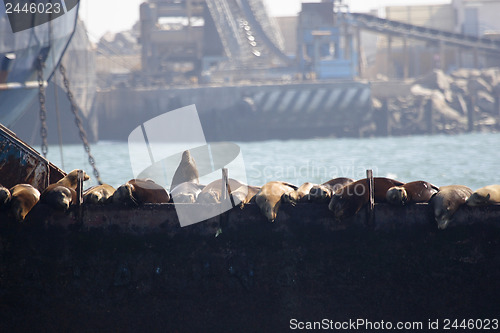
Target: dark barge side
column 116, row 268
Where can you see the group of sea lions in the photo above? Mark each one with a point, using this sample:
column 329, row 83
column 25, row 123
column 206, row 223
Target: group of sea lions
column 345, row 197
column 21, row 198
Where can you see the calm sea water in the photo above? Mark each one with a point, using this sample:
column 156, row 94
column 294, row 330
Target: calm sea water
column 469, row 159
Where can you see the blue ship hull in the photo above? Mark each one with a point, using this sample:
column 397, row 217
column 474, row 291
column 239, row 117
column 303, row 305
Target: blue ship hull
column 19, row 52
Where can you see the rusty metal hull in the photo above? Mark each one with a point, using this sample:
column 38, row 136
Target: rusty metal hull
column 134, row 269
column 162, row 218
column 21, row 164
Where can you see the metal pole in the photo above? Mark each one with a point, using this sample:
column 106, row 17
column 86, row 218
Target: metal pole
column 371, row 202
column 406, row 65
column 358, row 50
column 389, row 55
column 226, row 189
column 79, row 195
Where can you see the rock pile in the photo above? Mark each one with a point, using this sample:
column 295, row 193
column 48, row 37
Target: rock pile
column 441, row 103
column 121, row 43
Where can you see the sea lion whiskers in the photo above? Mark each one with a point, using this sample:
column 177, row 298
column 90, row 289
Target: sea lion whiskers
column 124, row 194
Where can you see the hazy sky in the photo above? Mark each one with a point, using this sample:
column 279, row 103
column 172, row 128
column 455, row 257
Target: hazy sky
column 117, row 15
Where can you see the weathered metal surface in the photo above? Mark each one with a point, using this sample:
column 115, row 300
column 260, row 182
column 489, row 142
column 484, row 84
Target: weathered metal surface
column 21, row 164
column 162, row 218
column 135, row 269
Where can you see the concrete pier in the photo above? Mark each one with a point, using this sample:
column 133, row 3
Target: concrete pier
column 243, row 112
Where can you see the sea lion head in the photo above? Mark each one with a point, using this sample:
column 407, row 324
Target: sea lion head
column 343, row 204
column 320, row 193
column 184, row 198
column 443, row 211
column 269, row 210
column 209, row 197
column 17, row 210
column 290, row 198
column 239, row 198
column 71, row 179
column 338, row 206
column 476, row 199
column 397, row 195
column 447, row 201
column 23, row 198
column 4, row 196
column 242, row 195
column 59, row 197
column 123, row 194
column 94, row 197
column 186, row 157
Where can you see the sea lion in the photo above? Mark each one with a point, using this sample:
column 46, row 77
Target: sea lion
column 186, row 192
column 212, row 192
column 488, row 195
column 337, row 183
column 98, row 194
column 58, row 196
column 140, row 191
column 302, row 194
column 412, row 192
column 348, row 200
column 4, row 196
column 245, row 194
column 186, row 171
column 447, row 201
column 269, row 197
column 71, row 179
column 323, row 192
column 23, row 198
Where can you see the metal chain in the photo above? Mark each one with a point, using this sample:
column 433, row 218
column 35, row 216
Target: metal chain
column 43, row 110
column 78, row 122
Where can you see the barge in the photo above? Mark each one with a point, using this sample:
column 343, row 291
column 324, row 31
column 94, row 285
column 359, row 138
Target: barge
column 128, row 269
column 120, row 268
column 131, row 269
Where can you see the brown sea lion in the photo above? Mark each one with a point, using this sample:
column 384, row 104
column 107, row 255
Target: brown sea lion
column 324, row 192
column 186, row 192
column 140, row 191
column 348, row 200
column 4, row 196
column 58, row 196
column 488, row 195
column 186, row 171
column 71, row 179
column 299, row 195
column 98, row 194
column 447, row 201
column 412, row 192
column 337, row 183
column 269, row 198
column 244, row 194
column 23, row 198
column 212, row 192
